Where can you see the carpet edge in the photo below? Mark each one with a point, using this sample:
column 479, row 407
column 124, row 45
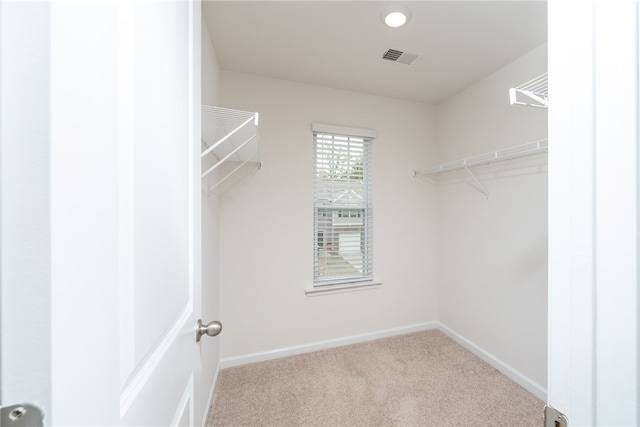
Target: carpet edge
column 516, row 376
column 528, row 384
column 212, row 393
column 245, row 359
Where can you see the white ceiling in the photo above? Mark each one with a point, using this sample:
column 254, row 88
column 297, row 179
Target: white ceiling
column 340, row 44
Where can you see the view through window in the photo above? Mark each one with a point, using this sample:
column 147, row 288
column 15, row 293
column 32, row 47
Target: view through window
column 342, row 209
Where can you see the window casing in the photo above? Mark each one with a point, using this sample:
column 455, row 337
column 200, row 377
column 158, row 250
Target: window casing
column 342, row 208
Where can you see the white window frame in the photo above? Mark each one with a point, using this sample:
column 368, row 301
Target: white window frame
column 321, row 134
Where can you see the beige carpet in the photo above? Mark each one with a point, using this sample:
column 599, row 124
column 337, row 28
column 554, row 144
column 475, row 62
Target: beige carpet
column 419, row 379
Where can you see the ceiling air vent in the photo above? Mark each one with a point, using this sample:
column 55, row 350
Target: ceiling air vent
column 400, row 56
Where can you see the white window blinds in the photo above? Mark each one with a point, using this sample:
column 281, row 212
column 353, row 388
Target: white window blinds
column 342, row 208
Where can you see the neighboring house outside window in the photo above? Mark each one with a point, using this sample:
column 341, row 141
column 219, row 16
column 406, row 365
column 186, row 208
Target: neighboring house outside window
column 342, row 205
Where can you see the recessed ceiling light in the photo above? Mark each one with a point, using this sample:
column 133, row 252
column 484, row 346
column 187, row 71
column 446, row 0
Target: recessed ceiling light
column 396, row 16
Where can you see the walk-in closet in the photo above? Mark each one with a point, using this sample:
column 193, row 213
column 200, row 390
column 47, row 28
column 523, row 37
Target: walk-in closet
column 320, row 213
column 457, row 102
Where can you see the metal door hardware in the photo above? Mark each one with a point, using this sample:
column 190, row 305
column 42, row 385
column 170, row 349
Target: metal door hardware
column 212, row 329
column 23, row 415
column 554, row 418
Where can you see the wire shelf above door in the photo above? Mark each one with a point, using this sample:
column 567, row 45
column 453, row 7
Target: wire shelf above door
column 534, row 93
column 229, row 142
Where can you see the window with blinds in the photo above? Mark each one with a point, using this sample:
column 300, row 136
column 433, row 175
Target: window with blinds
column 342, row 209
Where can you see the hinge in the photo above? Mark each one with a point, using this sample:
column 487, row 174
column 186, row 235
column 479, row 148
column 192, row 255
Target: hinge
column 554, row 418
column 23, row 415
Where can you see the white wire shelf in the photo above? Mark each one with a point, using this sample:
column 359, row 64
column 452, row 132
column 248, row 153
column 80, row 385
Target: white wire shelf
column 229, row 142
column 510, row 153
column 515, row 152
column 534, row 93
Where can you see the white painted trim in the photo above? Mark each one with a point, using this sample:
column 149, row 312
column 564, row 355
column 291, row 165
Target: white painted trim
column 344, row 130
column 341, row 288
column 186, row 402
column 511, row 373
column 140, row 377
column 516, row 376
column 209, row 401
column 126, row 155
column 229, row 362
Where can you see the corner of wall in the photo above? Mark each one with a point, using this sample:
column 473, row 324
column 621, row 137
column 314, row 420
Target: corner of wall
column 210, row 68
column 493, row 252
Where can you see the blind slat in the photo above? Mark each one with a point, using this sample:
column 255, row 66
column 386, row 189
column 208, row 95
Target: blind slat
column 342, row 208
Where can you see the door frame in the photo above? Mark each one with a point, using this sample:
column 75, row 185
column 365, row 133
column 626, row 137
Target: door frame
column 25, row 286
column 593, row 211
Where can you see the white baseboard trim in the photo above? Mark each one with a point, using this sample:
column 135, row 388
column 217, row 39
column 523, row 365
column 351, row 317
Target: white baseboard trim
column 323, row 345
column 524, row 381
column 210, row 399
column 528, row 384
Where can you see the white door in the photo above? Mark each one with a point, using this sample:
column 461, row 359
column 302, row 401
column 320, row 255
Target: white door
column 120, row 196
column 594, row 117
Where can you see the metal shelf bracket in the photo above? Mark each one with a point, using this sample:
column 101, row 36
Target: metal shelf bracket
column 228, row 136
column 515, row 152
column 534, row 93
column 478, row 186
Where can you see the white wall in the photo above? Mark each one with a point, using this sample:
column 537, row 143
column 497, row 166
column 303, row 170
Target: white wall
column 210, row 69
column 492, row 286
column 266, row 220
column 209, row 347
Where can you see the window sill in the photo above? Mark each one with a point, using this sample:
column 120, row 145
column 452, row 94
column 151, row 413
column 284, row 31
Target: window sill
column 341, row 288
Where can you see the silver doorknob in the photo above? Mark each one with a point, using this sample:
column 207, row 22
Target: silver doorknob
column 212, row 329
